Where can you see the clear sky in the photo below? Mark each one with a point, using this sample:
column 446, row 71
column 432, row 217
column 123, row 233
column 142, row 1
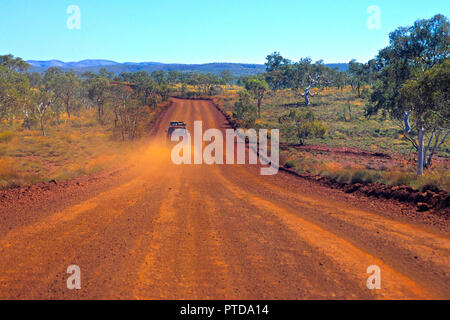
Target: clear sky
column 201, row 31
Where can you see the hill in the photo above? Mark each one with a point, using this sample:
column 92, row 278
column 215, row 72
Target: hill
column 237, row 69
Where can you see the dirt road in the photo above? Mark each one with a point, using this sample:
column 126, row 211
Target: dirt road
column 160, row 231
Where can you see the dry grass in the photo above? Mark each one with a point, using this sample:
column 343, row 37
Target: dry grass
column 342, row 112
column 72, row 148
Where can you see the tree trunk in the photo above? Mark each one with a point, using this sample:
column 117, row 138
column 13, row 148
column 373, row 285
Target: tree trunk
column 437, row 144
column 68, row 109
column 420, row 153
column 307, row 99
column 42, row 127
column 259, row 108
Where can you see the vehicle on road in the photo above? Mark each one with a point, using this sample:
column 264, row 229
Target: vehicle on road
column 173, row 126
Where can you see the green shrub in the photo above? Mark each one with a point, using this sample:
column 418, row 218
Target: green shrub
column 2, row 151
column 6, row 136
column 399, row 179
column 365, row 176
column 290, row 164
column 344, row 176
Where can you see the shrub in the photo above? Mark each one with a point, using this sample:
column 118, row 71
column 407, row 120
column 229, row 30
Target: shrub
column 6, row 136
column 399, row 178
column 362, row 176
column 290, row 164
column 244, row 112
column 301, row 126
column 344, row 176
column 2, row 151
column 7, row 169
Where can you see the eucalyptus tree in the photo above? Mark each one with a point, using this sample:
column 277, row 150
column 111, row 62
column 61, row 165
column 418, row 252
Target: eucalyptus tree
column 359, row 73
column 69, row 90
column 97, row 87
column 174, row 76
column 413, row 51
column 340, row 79
column 362, row 74
column 159, row 76
column 428, row 96
column 42, row 101
column 126, row 111
column 146, row 88
column 52, row 83
column 35, row 79
column 304, row 75
column 16, row 64
column 257, row 88
column 14, row 91
column 226, row 77
column 244, row 111
column 277, row 71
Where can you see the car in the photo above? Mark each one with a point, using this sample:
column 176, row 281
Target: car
column 176, row 125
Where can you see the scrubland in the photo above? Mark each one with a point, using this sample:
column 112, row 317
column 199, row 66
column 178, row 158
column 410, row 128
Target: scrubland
column 72, row 148
column 355, row 148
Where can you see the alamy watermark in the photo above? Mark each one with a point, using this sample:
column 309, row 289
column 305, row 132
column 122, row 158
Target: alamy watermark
column 374, row 280
column 374, row 20
column 190, row 149
column 74, row 20
column 74, row 281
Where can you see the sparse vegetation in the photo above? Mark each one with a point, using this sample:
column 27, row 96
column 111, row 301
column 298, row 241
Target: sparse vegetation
column 358, row 116
column 353, row 115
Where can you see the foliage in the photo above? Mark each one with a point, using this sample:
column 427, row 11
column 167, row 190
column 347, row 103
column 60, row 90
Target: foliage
column 299, row 126
column 244, row 111
column 257, row 88
column 302, row 76
column 403, row 74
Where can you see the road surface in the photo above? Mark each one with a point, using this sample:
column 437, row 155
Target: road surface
column 161, row 231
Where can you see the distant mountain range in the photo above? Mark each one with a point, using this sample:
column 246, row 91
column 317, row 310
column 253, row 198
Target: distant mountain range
column 237, row 69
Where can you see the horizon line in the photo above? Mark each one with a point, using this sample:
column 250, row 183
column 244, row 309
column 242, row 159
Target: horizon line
column 165, row 63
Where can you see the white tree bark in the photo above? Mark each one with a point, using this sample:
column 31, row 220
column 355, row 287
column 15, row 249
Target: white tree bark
column 420, row 151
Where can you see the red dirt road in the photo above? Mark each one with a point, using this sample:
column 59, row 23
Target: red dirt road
column 160, row 231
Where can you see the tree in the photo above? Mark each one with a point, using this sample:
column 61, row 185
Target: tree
column 14, row 91
column 427, row 96
column 226, row 76
column 303, row 75
column 275, row 61
column 173, row 76
column 106, row 74
column 159, row 77
column 69, row 88
column 34, row 79
column 412, row 52
column 42, row 100
column 125, row 76
column 164, row 91
column 257, row 88
column 146, row 88
column 52, row 83
column 126, row 111
column 244, row 111
column 16, row 64
column 278, row 69
column 359, row 75
column 340, row 79
column 97, row 89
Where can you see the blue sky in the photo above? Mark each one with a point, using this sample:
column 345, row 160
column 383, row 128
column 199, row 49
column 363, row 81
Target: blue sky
column 201, row 31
